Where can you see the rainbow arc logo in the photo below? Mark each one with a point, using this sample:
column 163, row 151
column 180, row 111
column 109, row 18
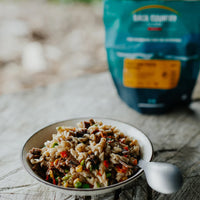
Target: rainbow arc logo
column 155, row 7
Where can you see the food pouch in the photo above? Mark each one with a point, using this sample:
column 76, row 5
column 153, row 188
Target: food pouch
column 153, row 50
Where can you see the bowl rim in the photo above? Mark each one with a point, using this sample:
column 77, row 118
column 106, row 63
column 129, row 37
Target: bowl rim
column 34, row 175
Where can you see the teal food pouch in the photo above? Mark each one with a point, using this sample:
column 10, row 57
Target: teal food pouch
column 153, row 50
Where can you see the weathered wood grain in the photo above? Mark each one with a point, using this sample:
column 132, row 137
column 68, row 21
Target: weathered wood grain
column 175, row 136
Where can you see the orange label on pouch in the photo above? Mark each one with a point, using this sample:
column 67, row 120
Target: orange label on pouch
column 151, row 74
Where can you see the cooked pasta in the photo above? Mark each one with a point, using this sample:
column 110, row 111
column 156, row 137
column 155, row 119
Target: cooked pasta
column 91, row 155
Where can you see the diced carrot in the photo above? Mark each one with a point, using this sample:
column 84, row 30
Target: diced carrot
column 106, row 163
column 102, row 135
column 63, row 154
column 121, row 169
column 99, row 173
column 47, row 178
column 124, row 169
column 134, row 162
column 126, row 148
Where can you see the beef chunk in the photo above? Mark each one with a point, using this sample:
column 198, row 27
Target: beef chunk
column 86, row 124
column 34, row 153
column 71, row 161
column 94, row 160
column 92, row 122
column 41, row 171
column 80, row 133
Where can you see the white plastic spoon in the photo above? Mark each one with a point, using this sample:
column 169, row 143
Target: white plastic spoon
column 162, row 177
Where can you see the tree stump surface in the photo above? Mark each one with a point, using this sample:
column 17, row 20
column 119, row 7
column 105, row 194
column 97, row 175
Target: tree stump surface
column 175, row 136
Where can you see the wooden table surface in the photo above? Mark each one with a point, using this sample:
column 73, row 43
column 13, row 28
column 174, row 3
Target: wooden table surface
column 175, row 135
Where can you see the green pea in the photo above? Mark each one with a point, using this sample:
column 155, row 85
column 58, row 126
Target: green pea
column 85, row 185
column 66, row 171
column 78, row 184
column 57, row 178
column 58, row 128
column 82, row 162
column 98, row 185
column 54, row 144
column 108, row 175
column 66, row 177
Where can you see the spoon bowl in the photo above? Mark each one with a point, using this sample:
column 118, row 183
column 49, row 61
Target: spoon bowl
column 162, row 177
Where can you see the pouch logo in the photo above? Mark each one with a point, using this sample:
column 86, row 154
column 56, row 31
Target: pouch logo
column 155, row 18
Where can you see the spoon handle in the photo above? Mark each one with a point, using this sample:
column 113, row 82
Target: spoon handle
column 142, row 163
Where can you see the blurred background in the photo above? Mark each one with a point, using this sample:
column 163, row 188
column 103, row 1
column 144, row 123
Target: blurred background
column 48, row 41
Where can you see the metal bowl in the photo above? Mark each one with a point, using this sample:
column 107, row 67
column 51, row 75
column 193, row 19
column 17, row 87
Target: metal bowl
column 44, row 134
